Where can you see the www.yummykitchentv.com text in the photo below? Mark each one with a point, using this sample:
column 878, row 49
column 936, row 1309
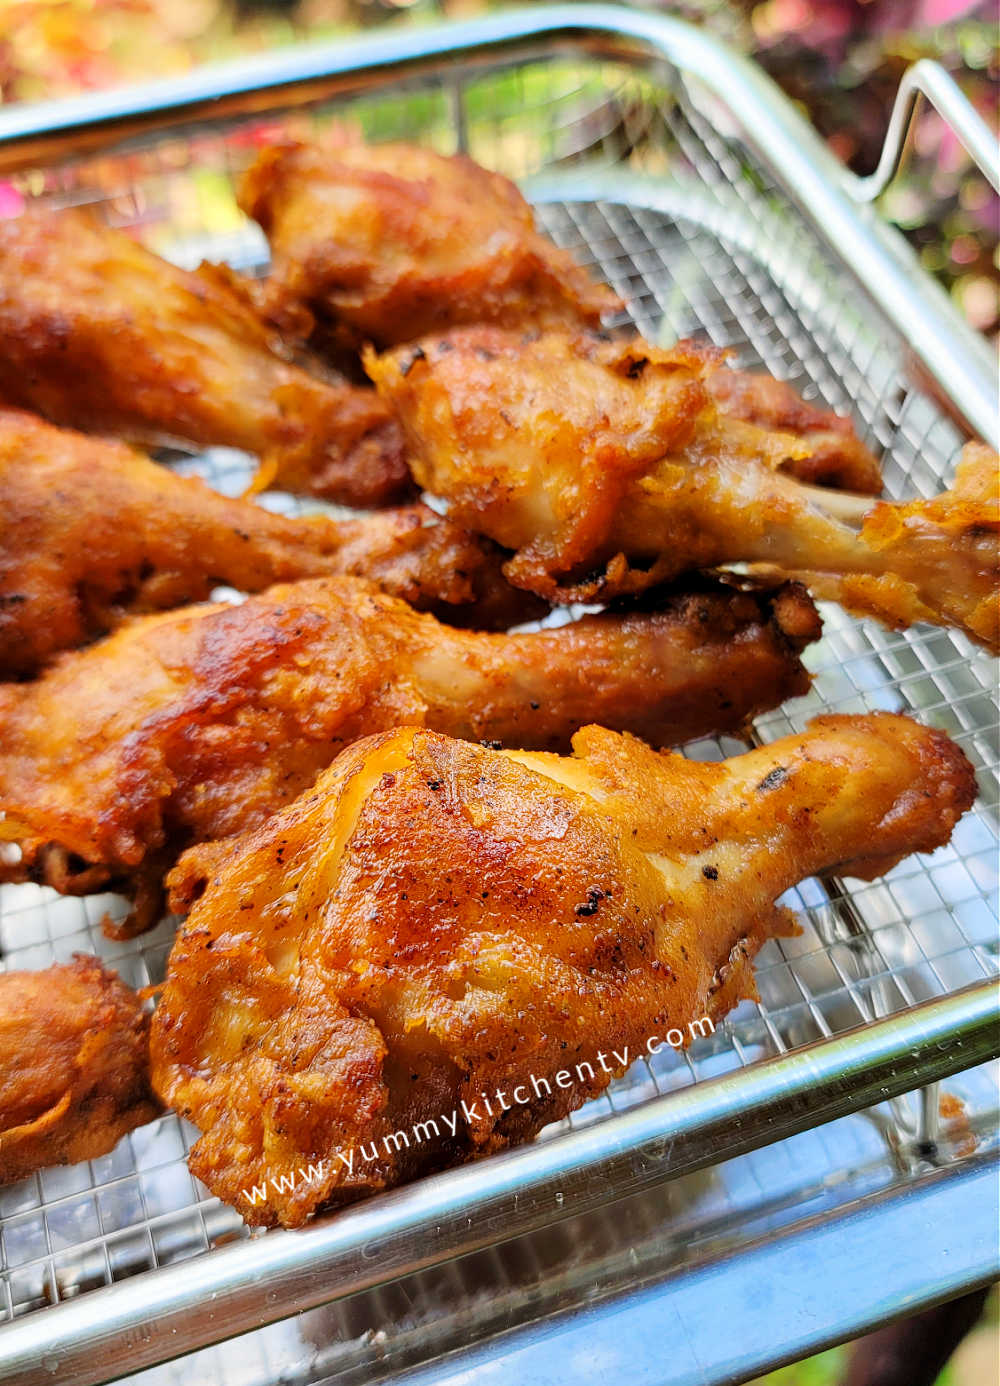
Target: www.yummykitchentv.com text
column 531, row 1089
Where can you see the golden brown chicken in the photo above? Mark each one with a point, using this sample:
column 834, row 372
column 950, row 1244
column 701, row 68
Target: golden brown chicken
column 837, row 456
column 386, row 242
column 74, row 1066
column 91, row 532
column 99, row 333
column 390, row 242
column 607, row 467
column 934, row 560
column 442, row 948
column 189, row 726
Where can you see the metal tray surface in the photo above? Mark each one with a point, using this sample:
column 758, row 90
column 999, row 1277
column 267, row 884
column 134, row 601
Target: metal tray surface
column 657, row 180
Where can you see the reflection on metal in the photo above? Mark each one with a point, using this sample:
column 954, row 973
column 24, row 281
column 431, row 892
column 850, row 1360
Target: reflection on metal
column 240, row 1287
column 929, row 79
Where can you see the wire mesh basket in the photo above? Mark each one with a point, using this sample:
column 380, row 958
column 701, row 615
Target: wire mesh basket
column 656, row 159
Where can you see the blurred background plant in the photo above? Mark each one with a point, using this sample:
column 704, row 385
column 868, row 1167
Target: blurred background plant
column 840, row 60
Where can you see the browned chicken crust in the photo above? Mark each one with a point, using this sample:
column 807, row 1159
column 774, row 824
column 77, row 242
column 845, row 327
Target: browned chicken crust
column 189, row 726
column 386, row 242
column 437, row 923
column 91, row 532
column 101, row 334
column 837, row 456
column 607, row 467
column 74, row 1066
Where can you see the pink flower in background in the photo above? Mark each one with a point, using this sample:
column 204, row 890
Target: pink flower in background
column 930, row 13
column 11, row 201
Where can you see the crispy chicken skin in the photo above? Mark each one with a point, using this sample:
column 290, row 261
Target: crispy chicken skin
column 101, row 334
column 607, row 466
column 74, row 1066
column 193, row 725
column 932, row 560
column 386, row 242
column 435, row 922
column 91, row 531
column 837, row 456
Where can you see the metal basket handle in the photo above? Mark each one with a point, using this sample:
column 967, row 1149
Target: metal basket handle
column 928, row 79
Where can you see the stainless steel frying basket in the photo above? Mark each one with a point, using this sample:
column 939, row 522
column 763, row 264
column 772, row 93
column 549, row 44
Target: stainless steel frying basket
column 678, row 172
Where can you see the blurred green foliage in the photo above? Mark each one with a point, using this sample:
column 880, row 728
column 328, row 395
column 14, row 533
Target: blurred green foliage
column 824, row 1370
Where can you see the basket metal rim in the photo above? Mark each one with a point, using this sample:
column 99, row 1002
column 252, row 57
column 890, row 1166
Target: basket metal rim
column 173, row 1310
column 632, row 1325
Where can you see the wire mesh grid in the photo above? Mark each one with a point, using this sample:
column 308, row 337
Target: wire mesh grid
column 709, row 248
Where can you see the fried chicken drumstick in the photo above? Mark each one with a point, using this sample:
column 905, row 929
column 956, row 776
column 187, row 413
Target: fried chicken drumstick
column 74, row 1066
column 193, row 725
column 101, row 334
column 607, row 466
column 386, row 242
column 836, row 456
column 437, row 923
column 91, row 532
